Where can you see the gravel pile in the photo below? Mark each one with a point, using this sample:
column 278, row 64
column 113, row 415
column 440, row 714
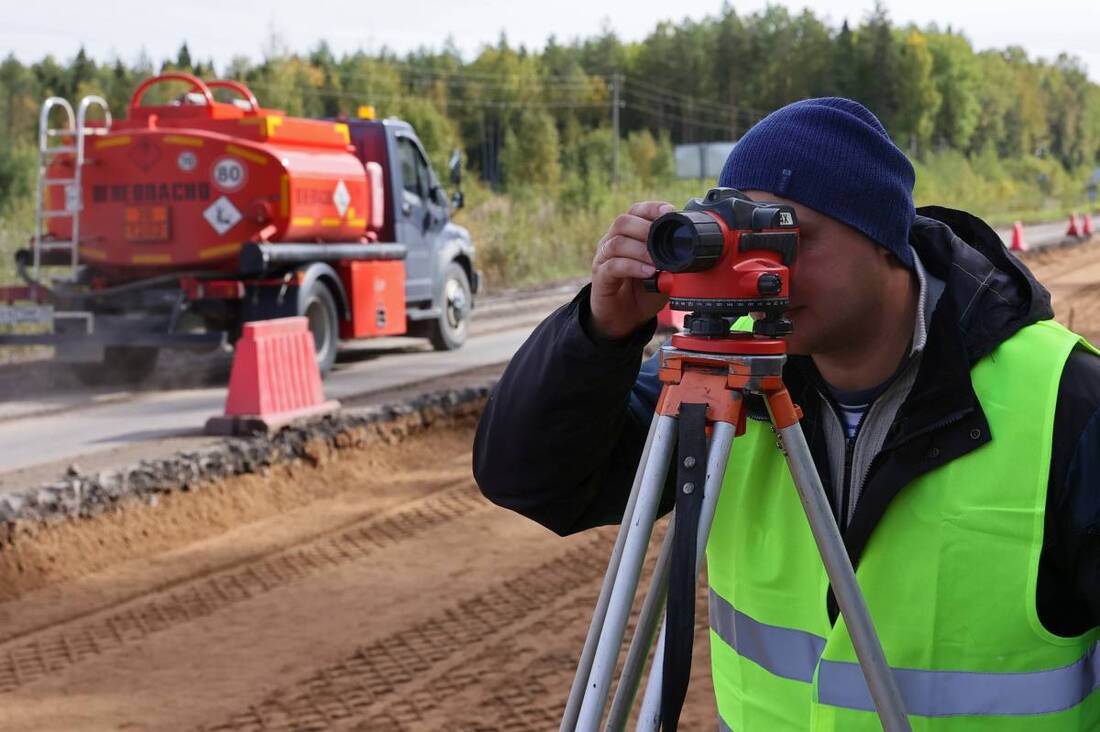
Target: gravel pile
column 80, row 495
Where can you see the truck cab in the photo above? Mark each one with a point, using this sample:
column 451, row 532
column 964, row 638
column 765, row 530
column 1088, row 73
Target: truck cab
column 440, row 279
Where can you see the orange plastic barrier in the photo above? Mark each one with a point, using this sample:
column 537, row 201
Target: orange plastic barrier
column 274, row 381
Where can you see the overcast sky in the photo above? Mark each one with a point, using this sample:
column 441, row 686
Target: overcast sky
column 221, row 29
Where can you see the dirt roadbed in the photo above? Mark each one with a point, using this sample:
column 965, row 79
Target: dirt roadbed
column 364, row 585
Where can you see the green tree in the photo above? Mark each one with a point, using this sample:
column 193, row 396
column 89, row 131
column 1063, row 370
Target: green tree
column 956, row 75
column 918, row 100
column 530, row 154
column 18, row 106
column 183, row 58
column 1025, row 123
column 991, row 131
column 877, row 60
column 1066, row 84
column 845, row 63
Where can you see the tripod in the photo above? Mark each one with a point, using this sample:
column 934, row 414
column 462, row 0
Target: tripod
column 706, row 379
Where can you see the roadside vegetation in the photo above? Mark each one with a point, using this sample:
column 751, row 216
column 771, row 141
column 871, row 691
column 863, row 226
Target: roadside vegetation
column 994, row 132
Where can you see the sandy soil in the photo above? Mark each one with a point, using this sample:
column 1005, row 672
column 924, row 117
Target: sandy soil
column 1073, row 278
column 373, row 589
column 368, row 588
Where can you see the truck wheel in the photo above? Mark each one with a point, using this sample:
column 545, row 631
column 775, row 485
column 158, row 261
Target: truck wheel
column 121, row 366
column 319, row 308
column 448, row 331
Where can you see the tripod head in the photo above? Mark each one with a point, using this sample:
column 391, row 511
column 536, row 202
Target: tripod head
column 725, row 256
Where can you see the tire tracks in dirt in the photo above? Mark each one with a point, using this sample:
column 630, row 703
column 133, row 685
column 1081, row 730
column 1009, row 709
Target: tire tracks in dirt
column 502, row 659
column 56, row 648
column 397, row 682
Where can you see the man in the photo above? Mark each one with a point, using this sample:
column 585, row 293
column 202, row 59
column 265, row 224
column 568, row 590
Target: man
column 954, row 425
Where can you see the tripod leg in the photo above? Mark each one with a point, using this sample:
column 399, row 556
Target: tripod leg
column 649, row 716
column 718, row 454
column 650, row 616
column 584, row 666
column 838, row 566
column 626, row 579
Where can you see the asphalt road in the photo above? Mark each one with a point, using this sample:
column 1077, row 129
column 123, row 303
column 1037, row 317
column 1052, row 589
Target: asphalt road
column 51, row 429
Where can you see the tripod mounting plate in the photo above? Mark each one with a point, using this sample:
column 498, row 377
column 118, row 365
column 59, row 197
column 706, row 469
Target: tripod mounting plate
column 731, row 344
column 719, row 380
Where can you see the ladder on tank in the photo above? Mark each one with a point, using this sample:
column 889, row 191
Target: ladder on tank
column 69, row 141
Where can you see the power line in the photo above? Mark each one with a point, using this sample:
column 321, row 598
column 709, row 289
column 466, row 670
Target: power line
column 503, row 82
column 652, row 88
column 757, row 113
column 678, row 103
column 683, row 119
column 728, row 118
column 477, row 78
column 645, row 98
column 468, row 103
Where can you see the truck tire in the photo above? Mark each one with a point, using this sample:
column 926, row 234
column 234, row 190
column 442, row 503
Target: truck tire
column 448, row 331
column 121, row 366
column 319, row 308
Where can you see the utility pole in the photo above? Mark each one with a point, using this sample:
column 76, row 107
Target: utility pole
column 615, row 83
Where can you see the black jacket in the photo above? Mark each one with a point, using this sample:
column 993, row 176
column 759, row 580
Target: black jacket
column 563, row 430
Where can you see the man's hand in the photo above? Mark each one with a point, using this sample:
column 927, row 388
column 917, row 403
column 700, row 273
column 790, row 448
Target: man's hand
column 619, row 303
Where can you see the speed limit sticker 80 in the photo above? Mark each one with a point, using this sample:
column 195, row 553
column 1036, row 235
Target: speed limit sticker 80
column 229, row 174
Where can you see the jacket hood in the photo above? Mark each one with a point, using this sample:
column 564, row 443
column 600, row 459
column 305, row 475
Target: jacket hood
column 992, row 292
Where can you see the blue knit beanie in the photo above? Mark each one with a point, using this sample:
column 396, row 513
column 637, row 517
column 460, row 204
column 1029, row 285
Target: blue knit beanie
column 834, row 156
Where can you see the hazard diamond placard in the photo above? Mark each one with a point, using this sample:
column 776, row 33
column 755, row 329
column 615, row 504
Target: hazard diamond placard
column 222, row 215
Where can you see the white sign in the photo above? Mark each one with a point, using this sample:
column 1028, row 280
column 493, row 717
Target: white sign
column 785, row 218
column 341, row 198
column 26, row 315
column 222, row 215
column 187, row 161
column 229, row 174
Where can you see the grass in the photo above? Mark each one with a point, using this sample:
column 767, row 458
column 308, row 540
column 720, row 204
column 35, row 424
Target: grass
column 16, row 230
column 534, row 236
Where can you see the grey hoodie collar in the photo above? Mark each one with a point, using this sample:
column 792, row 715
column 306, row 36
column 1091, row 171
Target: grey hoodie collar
column 931, row 288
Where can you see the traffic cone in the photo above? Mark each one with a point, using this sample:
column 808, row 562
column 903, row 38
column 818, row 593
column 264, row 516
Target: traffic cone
column 1073, row 230
column 275, row 379
column 1086, row 225
column 1018, row 243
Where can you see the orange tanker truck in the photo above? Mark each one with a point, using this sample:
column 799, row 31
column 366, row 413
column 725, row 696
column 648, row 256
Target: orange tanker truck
column 184, row 220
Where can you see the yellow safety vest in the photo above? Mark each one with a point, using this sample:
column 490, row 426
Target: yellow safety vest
column 949, row 576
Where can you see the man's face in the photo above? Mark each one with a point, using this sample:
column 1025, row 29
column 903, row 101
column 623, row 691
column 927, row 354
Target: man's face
column 838, row 280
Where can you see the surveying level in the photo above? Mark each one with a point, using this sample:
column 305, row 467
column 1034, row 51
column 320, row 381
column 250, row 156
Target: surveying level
column 723, row 257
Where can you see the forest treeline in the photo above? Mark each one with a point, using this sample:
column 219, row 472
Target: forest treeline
column 996, row 127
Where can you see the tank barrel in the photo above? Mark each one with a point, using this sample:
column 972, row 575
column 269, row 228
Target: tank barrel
column 259, row 259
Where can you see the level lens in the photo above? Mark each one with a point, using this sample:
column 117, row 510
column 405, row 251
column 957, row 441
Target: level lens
column 688, row 241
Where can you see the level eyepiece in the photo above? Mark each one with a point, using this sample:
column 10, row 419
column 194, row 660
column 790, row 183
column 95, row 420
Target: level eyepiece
column 685, row 241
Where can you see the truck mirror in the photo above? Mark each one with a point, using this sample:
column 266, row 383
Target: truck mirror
column 455, row 167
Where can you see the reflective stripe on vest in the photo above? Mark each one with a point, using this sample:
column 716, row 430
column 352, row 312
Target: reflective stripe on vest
column 794, row 654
